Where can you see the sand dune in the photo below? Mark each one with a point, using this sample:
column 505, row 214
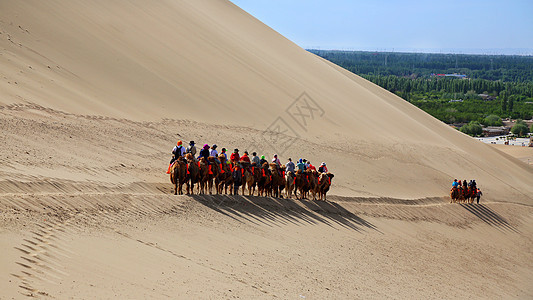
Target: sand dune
column 161, row 246
column 209, row 62
column 93, row 95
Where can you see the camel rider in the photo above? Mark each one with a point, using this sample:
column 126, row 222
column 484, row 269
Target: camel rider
column 290, row 166
column 300, row 165
column 263, row 160
column 455, row 184
column 205, row 153
column 177, row 152
column 276, row 160
column 245, row 157
column 256, row 160
column 245, row 161
column 310, row 166
column 235, row 157
column 323, row 168
column 214, row 153
column 225, row 155
column 474, row 184
column 464, row 184
column 191, row 149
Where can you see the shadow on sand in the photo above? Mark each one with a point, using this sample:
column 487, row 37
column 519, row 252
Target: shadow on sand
column 489, row 216
column 273, row 211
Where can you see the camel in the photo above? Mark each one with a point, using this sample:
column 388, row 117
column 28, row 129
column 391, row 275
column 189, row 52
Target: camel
column 224, row 179
column 472, row 193
column 263, row 185
column 324, row 183
column 212, row 174
column 193, row 173
column 204, row 175
column 289, row 184
column 278, row 181
column 247, row 180
column 454, row 195
column 256, row 171
column 237, row 175
column 301, row 184
column 178, row 175
column 313, row 182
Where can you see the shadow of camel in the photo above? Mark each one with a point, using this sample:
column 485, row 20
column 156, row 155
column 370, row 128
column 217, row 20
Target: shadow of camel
column 274, row 211
column 489, row 216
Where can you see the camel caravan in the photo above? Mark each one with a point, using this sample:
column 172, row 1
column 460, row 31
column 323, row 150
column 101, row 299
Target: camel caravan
column 465, row 192
column 212, row 172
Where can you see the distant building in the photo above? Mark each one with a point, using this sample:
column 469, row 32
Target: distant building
column 456, row 100
column 496, row 131
column 450, row 75
column 486, row 97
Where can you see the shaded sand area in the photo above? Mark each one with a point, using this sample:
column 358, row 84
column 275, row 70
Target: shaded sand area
column 144, row 244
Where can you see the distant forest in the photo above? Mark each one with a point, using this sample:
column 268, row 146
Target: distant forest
column 499, row 85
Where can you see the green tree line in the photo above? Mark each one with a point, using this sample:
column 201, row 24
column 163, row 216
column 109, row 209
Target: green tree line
column 449, row 99
column 514, row 68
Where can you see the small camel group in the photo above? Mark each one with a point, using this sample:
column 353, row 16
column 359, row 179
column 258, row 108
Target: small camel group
column 268, row 179
column 462, row 194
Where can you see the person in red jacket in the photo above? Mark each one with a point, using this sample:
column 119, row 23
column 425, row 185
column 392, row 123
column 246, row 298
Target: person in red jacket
column 311, row 167
column 245, row 161
column 245, row 157
column 235, row 157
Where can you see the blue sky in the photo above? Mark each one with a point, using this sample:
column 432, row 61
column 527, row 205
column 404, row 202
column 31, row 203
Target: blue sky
column 467, row 26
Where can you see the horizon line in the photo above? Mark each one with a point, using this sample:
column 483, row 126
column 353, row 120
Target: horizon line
column 466, row 51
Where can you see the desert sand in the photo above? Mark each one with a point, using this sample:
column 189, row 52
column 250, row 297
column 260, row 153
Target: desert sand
column 93, row 96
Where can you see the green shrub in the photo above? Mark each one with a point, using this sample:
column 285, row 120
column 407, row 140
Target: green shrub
column 493, row 120
column 472, row 128
column 520, row 128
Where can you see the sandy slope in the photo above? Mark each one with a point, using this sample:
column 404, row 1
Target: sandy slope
column 160, row 246
column 524, row 154
column 93, row 95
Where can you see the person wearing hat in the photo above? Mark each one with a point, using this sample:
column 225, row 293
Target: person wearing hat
column 204, row 153
column 255, row 160
column 214, row 153
column 191, row 149
column 224, row 153
column 235, row 157
column 177, row 152
column 245, row 158
column 323, row 168
column 263, row 160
